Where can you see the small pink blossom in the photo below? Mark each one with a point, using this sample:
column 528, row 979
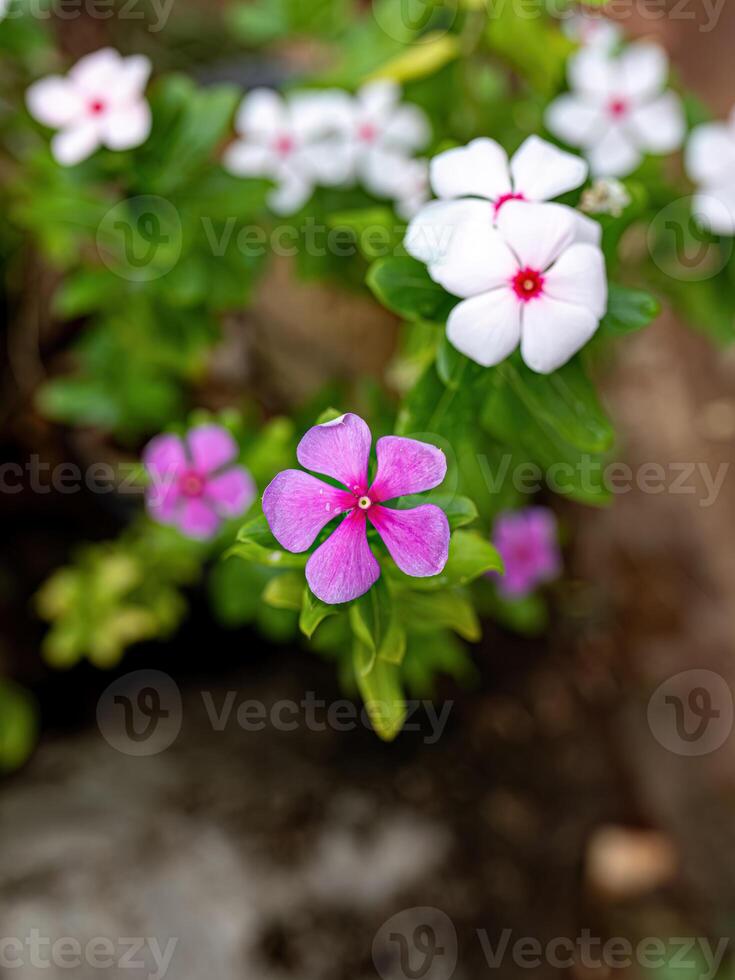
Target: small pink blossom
column 99, row 103
column 298, row 506
column 194, row 484
column 528, row 544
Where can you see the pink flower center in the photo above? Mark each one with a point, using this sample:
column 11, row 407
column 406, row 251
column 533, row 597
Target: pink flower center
column 192, row 484
column 364, row 503
column 284, row 145
column 504, row 198
column 527, row 284
column 367, row 132
column 617, row 108
column 97, row 107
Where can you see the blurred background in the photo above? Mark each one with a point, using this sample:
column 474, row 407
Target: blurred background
column 558, row 800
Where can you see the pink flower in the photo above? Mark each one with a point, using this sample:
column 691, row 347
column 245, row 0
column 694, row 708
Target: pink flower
column 194, row 485
column 527, row 542
column 99, row 103
column 297, row 506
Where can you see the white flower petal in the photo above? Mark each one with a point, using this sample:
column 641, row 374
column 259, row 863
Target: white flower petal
column 132, row 78
column 553, row 331
column 477, row 260
column 316, row 114
column 479, row 169
column 54, row 101
column 126, row 127
column 576, row 120
column 249, row 159
column 430, row 233
column 376, row 99
column 329, row 161
column 290, row 196
column 660, row 126
column 592, row 72
column 75, row 143
column 407, row 128
column 262, row 115
column 578, row 276
column 586, row 230
column 710, row 154
column 643, row 71
column 486, row 328
column 541, row 171
column 380, row 170
column 537, row 233
column 714, row 209
column 615, row 155
column 97, row 74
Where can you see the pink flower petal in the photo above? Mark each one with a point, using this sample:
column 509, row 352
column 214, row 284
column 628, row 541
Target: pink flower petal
column 54, row 101
column 339, row 449
column 197, row 519
column 165, row 455
column 406, row 466
column 417, row 539
column 231, row 492
column 297, row 506
column 344, row 567
column 211, row 447
column 162, row 499
column 127, row 126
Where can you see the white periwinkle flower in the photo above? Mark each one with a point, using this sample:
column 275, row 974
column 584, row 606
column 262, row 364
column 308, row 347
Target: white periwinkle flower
column 593, row 31
column 527, row 279
column 294, row 141
column 618, row 108
column 477, row 181
column 710, row 162
column 100, row 102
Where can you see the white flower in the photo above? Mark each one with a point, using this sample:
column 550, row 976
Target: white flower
column 606, row 196
column 476, row 182
column 710, row 162
column 618, row 108
column 527, row 280
column 295, row 141
column 409, row 185
column 100, row 102
column 378, row 133
column 593, row 31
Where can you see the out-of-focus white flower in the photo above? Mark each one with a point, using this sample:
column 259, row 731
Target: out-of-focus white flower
column 296, row 142
column 593, row 31
column 618, row 108
column 606, row 196
column 379, row 132
column 100, row 102
column 475, row 182
column 409, row 186
column 710, row 162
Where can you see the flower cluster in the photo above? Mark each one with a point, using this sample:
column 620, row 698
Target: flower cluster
column 329, row 138
column 98, row 103
column 298, row 506
column 618, row 108
column 710, row 162
column 527, row 272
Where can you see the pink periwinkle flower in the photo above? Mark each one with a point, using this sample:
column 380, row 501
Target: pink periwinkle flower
column 194, row 484
column 528, row 544
column 297, row 506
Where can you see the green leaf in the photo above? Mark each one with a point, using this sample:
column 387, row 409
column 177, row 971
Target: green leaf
column 256, row 543
column 380, row 686
column 285, row 591
column 470, row 556
column 628, row 310
column 18, row 726
column 418, row 60
column 376, row 231
column 376, row 624
column 314, row 612
column 451, row 609
column 459, row 510
column 404, row 286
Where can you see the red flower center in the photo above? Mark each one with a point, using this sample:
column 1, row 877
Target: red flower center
column 527, row 284
column 367, row 132
column 192, row 484
column 284, row 145
column 504, row 198
column 617, row 107
column 97, row 106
